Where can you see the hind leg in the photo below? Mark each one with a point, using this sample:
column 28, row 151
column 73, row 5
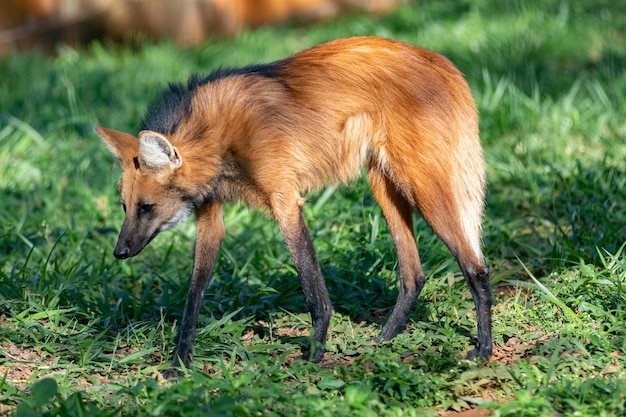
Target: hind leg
column 443, row 216
column 398, row 214
column 477, row 278
column 463, row 246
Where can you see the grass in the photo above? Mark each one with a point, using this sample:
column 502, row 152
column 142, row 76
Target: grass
column 84, row 334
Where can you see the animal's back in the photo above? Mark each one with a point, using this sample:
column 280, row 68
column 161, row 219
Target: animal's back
column 374, row 74
column 396, row 94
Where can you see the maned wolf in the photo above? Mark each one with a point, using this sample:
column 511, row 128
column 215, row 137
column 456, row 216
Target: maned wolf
column 268, row 133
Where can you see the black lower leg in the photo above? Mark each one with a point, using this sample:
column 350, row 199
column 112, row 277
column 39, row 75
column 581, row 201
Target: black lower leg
column 313, row 287
column 318, row 303
column 478, row 282
column 210, row 232
column 403, row 308
column 189, row 323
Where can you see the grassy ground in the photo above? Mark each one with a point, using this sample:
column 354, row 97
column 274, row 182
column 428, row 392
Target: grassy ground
column 84, row 334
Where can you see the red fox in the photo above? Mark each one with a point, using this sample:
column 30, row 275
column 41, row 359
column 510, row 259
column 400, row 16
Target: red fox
column 266, row 134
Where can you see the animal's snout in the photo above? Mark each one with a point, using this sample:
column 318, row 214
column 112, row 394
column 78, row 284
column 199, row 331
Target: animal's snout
column 121, row 252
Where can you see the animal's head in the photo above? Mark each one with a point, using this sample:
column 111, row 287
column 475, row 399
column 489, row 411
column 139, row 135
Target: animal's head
column 151, row 198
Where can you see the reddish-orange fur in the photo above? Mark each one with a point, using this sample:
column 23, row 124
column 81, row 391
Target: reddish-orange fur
column 404, row 113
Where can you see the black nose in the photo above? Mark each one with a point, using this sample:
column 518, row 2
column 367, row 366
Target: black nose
column 121, row 253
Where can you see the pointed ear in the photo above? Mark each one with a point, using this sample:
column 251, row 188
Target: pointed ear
column 120, row 144
column 155, row 151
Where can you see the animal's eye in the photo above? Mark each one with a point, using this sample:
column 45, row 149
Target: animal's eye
column 145, row 209
column 124, row 206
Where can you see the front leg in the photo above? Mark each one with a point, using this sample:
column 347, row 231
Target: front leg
column 209, row 236
column 298, row 239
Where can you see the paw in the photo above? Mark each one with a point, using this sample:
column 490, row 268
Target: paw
column 173, row 373
column 478, row 353
column 317, row 355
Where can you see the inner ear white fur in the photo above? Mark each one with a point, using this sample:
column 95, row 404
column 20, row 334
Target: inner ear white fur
column 155, row 151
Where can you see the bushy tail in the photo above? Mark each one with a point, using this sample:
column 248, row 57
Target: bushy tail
column 445, row 179
column 469, row 184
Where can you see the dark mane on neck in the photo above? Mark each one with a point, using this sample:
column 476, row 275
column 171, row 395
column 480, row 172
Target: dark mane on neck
column 174, row 105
